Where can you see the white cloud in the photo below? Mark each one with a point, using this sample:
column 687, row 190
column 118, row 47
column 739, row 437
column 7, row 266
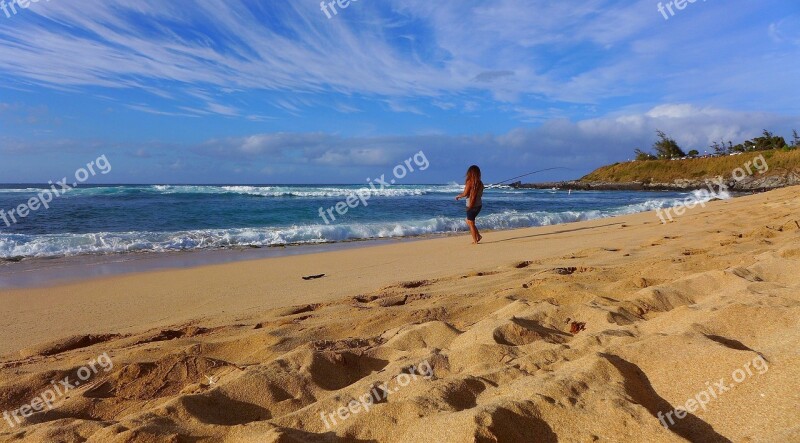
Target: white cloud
column 583, row 144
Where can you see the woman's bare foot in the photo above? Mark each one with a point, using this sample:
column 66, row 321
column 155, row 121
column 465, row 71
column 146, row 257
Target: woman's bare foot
column 480, row 237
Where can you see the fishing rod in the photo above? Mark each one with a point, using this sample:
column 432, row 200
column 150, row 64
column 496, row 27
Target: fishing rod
column 525, row 175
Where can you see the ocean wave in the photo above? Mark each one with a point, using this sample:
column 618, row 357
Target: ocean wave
column 308, row 191
column 56, row 245
column 21, row 190
column 257, row 191
column 323, row 192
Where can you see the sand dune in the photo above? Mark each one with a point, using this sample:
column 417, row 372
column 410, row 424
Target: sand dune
column 451, row 343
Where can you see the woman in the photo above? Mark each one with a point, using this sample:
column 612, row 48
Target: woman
column 473, row 191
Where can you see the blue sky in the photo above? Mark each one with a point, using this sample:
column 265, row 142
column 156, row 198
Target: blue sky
column 232, row 91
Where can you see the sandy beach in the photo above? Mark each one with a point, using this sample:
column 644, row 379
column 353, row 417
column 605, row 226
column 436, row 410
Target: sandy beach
column 618, row 329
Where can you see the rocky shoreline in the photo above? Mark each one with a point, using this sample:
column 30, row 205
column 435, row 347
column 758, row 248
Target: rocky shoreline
column 748, row 184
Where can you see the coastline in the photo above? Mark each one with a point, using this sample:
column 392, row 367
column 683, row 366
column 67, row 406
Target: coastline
column 254, row 217
column 664, row 307
column 21, row 272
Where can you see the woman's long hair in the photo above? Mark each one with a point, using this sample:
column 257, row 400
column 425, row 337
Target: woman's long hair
column 473, row 181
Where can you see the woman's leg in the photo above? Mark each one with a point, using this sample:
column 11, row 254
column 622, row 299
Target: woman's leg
column 473, row 230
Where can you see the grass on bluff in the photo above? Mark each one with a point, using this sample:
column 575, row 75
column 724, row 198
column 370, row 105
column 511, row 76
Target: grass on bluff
column 667, row 171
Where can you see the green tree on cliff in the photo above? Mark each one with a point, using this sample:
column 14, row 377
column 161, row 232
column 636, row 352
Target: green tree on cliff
column 667, row 147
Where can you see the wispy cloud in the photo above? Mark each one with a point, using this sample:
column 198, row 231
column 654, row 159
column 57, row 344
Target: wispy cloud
column 564, row 52
column 150, row 110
